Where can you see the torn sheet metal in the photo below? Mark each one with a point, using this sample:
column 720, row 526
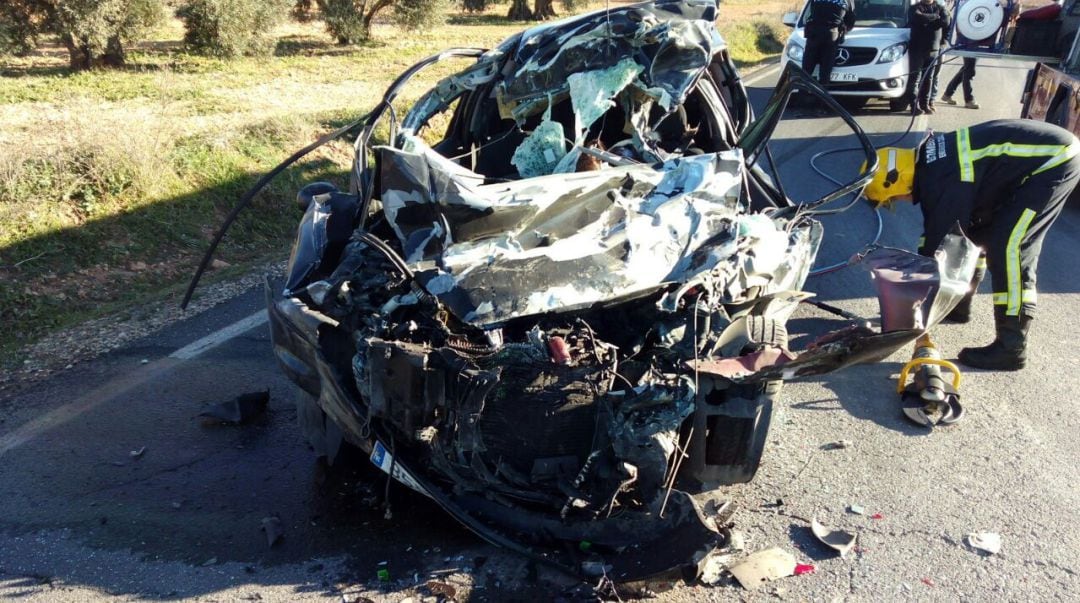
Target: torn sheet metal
column 916, row 292
column 673, row 41
column 494, row 252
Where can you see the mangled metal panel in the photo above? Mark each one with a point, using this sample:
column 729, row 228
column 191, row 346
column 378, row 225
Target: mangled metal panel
column 672, row 40
column 915, row 292
column 499, row 251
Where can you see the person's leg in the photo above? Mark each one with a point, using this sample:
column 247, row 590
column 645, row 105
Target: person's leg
column 934, row 72
column 1018, row 232
column 828, row 58
column 926, row 76
column 951, row 87
column 969, row 74
column 916, row 63
column 810, row 53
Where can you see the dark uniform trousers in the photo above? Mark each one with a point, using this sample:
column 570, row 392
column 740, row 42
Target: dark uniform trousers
column 1026, row 173
column 820, row 52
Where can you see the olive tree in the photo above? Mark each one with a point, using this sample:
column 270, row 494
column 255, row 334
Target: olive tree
column 93, row 31
column 232, row 28
column 350, row 21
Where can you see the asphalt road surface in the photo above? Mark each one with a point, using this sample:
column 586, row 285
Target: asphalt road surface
column 111, row 487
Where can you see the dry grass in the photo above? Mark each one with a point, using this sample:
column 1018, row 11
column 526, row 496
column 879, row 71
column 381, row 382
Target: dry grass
column 111, row 182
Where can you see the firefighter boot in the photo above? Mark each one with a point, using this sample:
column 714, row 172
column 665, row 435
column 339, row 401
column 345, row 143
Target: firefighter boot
column 961, row 314
column 1007, row 353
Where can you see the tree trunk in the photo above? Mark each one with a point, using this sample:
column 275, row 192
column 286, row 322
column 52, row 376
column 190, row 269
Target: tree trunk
column 79, row 57
column 369, row 16
column 520, row 11
column 114, row 53
column 543, row 10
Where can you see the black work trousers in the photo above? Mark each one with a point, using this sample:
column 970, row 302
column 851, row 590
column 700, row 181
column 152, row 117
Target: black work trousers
column 963, row 77
column 1013, row 239
column 820, row 52
column 919, row 77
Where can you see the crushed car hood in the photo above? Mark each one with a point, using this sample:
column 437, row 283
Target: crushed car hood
column 500, row 251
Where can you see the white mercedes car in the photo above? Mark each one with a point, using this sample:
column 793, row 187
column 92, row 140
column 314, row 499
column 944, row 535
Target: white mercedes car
column 872, row 62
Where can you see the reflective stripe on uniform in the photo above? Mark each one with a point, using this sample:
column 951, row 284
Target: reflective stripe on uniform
column 1027, row 296
column 1012, row 263
column 1072, row 150
column 1056, row 154
column 963, row 155
column 980, row 264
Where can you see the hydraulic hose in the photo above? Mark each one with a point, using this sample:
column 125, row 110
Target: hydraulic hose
column 855, row 199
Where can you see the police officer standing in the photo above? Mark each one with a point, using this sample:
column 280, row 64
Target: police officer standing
column 829, row 20
column 1005, row 182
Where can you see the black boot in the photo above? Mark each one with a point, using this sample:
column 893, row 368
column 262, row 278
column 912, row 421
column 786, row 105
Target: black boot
column 1007, row 353
column 961, row 314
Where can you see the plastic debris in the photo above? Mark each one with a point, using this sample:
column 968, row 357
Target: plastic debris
column 712, row 567
column 137, row 453
column 272, row 527
column 383, row 574
column 877, row 516
column 857, row 509
column 239, row 410
column 838, row 540
column 764, row 566
column 804, row 568
column 737, row 542
column 838, row 445
column 927, row 581
column 987, row 542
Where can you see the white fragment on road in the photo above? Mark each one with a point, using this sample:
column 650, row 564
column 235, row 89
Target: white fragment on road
column 988, row 542
column 838, row 540
column 217, row 338
column 764, row 566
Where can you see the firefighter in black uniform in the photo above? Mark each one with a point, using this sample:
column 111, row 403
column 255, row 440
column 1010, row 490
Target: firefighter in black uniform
column 829, row 20
column 1005, row 182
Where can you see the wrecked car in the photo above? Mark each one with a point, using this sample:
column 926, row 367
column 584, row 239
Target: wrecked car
column 555, row 300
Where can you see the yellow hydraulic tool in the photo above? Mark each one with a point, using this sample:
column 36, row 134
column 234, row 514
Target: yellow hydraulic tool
column 929, row 400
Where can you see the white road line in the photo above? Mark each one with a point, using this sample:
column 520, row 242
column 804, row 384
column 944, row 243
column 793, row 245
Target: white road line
column 217, row 338
column 760, row 75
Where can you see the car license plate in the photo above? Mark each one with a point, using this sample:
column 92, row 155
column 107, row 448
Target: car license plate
column 843, row 77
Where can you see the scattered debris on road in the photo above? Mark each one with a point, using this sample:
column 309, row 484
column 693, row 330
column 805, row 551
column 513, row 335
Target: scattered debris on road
column 857, row 509
column 987, row 542
column 239, row 410
column 136, row 454
column 838, row 540
column 838, row 445
column 764, row 566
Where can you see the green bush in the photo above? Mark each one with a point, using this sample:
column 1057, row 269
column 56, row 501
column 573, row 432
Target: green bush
column 413, row 15
column 345, row 21
column 232, row 28
column 571, row 6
